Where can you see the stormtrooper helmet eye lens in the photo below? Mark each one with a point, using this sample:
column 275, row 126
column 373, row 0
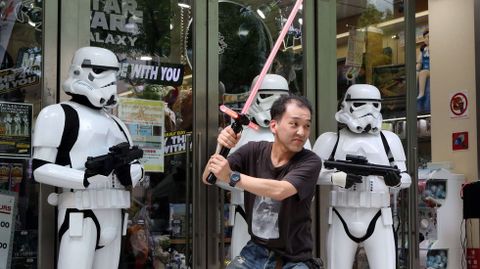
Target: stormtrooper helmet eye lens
column 97, row 70
column 264, row 95
column 376, row 105
column 358, row 104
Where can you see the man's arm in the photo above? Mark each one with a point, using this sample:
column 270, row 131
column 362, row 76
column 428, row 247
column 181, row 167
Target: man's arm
column 275, row 189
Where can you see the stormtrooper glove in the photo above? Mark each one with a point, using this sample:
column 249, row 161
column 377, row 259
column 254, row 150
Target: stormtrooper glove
column 345, row 180
column 123, row 175
column 392, row 179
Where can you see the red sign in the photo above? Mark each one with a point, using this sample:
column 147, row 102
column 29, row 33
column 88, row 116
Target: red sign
column 460, row 140
column 473, row 258
column 458, row 104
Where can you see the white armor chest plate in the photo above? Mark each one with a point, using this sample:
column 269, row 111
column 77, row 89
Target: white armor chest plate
column 97, row 133
column 372, row 192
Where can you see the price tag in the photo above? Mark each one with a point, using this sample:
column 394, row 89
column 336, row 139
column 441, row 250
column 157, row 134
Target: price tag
column 7, row 223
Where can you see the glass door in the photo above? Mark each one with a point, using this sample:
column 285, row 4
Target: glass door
column 156, row 75
column 155, row 87
column 247, row 33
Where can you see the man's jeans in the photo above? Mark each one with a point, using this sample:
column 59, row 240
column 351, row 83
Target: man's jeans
column 254, row 256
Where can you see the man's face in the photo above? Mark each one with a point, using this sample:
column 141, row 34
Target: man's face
column 293, row 128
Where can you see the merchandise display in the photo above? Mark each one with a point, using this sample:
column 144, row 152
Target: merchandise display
column 364, row 164
column 442, row 228
column 80, row 147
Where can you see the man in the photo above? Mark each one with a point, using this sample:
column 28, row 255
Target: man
column 279, row 180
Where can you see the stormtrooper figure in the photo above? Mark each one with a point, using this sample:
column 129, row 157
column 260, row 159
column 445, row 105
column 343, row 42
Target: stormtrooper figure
column 8, row 120
column 90, row 208
column 26, row 125
column 272, row 87
column 17, row 124
column 360, row 205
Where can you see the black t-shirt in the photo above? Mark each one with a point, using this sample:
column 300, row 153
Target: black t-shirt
column 281, row 226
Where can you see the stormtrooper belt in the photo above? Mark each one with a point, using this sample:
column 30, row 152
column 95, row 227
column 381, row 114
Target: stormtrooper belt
column 359, row 199
column 94, row 199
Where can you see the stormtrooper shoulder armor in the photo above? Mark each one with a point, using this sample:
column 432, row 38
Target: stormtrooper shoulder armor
column 123, row 127
column 49, row 127
column 395, row 145
column 323, row 147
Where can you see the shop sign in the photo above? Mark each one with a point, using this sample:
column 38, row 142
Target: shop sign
column 109, row 24
column 156, row 73
column 7, row 223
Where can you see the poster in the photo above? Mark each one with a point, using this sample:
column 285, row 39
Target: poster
column 15, row 129
column 145, row 120
column 7, row 227
column 176, row 142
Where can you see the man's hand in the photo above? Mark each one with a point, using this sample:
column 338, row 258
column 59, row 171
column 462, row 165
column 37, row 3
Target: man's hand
column 219, row 166
column 228, row 138
column 345, row 180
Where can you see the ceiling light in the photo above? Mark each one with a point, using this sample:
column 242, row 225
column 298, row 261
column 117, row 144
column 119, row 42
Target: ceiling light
column 183, row 5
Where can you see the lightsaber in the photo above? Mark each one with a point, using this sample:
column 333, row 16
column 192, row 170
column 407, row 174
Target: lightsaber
column 241, row 119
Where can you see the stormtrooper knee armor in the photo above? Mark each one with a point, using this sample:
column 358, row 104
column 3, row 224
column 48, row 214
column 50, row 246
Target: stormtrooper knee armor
column 272, row 87
column 90, row 209
column 360, row 205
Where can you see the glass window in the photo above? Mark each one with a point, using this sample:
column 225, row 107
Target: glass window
column 20, row 102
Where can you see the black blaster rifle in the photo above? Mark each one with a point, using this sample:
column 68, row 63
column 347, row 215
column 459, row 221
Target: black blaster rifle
column 359, row 165
column 118, row 156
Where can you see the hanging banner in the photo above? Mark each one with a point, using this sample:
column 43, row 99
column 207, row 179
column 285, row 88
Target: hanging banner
column 355, row 48
column 145, row 120
column 7, row 227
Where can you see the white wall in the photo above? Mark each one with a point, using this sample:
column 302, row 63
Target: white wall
column 452, row 60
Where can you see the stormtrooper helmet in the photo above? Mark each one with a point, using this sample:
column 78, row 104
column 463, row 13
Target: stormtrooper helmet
column 272, row 87
column 360, row 109
column 93, row 74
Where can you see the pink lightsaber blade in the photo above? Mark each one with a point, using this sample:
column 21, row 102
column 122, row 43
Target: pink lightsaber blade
column 272, row 55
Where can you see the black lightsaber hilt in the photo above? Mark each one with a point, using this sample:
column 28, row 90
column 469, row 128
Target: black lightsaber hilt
column 237, row 127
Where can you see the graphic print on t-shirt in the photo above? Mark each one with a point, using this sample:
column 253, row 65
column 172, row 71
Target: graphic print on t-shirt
column 265, row 218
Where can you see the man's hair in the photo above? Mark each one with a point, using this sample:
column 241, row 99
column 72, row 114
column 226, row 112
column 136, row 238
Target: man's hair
column 280, row 105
